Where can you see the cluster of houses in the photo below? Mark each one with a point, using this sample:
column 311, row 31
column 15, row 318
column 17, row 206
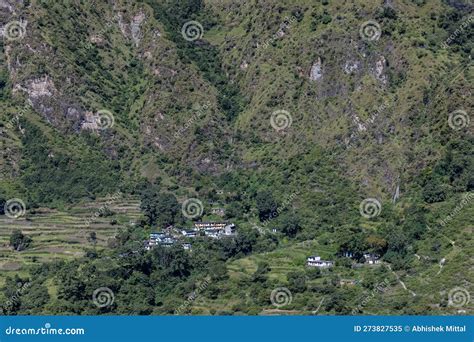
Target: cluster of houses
column 316, row 261
column 215, row 229
column 370, row 258
column 173, row 235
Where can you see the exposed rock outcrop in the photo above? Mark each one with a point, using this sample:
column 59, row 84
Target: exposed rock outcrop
column 135, row 27
column 316, row 72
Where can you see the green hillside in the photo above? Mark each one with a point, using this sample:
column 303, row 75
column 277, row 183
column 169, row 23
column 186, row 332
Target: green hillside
column 329, row 128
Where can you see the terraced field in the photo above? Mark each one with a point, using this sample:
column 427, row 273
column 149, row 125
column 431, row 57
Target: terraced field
column 281, row 261
column 59, row 234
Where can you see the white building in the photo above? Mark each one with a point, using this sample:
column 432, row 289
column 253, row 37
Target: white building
column 189, row 233
column 229, row 229
column 213, row 232
column 159, row 239
column 315, row 261
column 216, row 229
column 210, row 225
column 371, row 259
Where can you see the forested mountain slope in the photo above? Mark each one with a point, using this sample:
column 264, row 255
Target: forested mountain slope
column 329, row 128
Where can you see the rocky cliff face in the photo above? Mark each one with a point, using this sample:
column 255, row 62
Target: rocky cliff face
column 353, row 77
column 350, row 75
